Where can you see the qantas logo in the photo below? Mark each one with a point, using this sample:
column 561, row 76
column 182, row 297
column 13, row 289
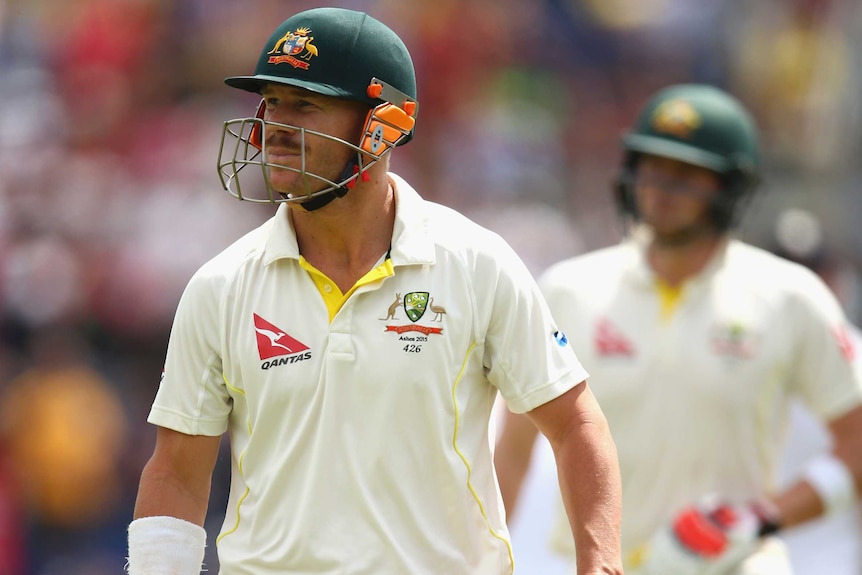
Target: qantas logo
column 845, row 343
column 273, row 342
column 610, row 341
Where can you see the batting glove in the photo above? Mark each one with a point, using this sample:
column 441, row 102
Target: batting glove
column 708, row 539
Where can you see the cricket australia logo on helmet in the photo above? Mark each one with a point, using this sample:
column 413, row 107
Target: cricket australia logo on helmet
column 676, row 117
column 294, row 48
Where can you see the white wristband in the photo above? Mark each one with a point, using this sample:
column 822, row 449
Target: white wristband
column 832, row 481
column 165, row 546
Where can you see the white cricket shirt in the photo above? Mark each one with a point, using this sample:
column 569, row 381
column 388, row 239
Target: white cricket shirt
column 698, row 400
column 362, row 445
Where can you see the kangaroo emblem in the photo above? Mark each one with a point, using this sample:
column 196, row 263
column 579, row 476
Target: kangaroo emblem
column 392, row 307
column 273, row 337
column 295, row 42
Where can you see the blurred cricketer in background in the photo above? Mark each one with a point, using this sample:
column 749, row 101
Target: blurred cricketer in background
column 696, row 343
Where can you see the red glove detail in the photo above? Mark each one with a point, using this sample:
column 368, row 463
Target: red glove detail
column 701, row 533
column 708, row 539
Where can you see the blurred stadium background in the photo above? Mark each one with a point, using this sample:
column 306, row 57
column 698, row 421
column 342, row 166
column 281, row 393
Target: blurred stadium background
column 110, row 119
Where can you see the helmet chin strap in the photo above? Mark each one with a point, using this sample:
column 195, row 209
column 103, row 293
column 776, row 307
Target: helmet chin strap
column 324, row 199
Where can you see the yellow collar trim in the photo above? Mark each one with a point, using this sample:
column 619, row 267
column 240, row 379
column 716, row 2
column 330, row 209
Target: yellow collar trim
column 332, row 296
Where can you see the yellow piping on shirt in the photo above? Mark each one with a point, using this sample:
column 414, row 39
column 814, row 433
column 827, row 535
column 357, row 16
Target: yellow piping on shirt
column 636, row 557
column 764, row 421
column 239, row 464
column 467, row 463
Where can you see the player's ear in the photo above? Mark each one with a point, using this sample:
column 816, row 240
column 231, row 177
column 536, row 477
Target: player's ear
column 622, row 188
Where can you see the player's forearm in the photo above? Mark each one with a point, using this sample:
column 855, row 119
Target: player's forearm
column 806, row 500
column 829, row 482
column 161, row 492
column 590, row 484
column 512, row 458
column 167, row 534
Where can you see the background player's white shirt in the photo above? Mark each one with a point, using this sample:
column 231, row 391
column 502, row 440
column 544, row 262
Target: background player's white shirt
column 699, row 402
column 363, row 445
column 830, row 545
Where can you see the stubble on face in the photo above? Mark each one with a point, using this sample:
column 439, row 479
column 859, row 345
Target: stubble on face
column 313, row 162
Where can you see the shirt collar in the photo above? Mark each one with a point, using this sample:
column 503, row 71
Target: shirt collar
column 412, row 242
column 639, row 272
column 281, row 237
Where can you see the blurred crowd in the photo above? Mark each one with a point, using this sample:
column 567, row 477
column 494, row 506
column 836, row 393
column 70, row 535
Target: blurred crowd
column 111, row 114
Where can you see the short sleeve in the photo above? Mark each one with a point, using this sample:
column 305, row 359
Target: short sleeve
column 192, row 397
column 825, row 375
column 530, row 360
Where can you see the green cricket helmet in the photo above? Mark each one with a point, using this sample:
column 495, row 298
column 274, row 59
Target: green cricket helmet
column 335, row 52
column 701, row 125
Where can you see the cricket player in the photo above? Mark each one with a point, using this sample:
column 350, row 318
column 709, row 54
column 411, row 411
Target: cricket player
column 352, row 348
column 696, row 343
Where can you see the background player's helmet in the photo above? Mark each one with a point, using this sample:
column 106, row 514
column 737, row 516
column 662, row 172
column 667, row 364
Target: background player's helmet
column 335, row 52
column 700, row 125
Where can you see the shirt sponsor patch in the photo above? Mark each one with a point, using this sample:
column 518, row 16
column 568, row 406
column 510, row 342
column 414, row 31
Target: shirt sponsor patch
column 610, row 341
column 273, row 341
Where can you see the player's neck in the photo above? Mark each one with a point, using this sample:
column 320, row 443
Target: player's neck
column 346, row 238
column 675, row 263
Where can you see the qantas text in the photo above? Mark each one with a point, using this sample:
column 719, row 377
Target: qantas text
column 286, row 360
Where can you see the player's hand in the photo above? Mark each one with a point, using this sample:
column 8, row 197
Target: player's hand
column 712, row 538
